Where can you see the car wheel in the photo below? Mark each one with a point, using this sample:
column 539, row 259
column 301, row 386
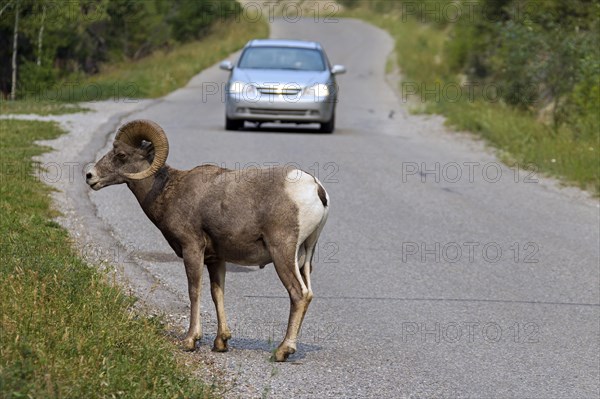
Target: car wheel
column 233, row 124
column 329, row 126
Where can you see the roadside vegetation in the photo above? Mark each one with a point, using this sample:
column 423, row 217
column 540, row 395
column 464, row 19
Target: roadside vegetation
column 116, row 49
column 525, row 76
column 44, row 42
column 38, row 107
column 65, row 331
column 165, row 71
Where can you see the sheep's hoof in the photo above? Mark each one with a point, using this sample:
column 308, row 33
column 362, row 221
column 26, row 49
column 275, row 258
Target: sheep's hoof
column 220, row 344
column 189, row 344
column 282, row 353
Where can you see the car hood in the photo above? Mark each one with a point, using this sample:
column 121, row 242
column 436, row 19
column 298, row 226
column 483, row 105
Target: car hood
column 279, row 77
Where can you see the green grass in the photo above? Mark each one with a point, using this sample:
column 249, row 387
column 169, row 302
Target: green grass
column 38, row 107
column 519, row 136
column 524, row 141
column 65, row 332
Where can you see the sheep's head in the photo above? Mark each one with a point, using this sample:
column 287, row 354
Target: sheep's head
column 140, row 149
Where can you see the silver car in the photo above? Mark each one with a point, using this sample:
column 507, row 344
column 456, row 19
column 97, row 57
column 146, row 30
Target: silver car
column 288, row 81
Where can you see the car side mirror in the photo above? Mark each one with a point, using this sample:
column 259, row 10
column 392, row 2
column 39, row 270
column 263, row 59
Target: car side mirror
column 226, row 65
column 338, row 69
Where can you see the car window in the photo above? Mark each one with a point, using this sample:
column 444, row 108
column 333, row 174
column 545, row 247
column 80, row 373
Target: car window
column 282, row 58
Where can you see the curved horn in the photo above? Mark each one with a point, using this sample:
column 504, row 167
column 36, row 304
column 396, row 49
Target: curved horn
column 134, row 132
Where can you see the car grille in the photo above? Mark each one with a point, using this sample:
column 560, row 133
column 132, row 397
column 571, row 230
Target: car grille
column 269, row 111
column 286, row 91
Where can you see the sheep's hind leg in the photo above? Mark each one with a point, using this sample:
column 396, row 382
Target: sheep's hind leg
column 216, row 271
column 300, row 297
column 306, row 261
column 193, row 259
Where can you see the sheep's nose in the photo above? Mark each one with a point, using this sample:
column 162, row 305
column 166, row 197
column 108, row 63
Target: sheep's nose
column 88, row 175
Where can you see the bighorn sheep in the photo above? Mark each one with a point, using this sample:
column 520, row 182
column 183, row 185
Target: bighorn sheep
column 211, row 215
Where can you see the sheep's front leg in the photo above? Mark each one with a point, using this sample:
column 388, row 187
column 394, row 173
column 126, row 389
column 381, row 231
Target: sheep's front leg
column 193, row 259
column 216, row 271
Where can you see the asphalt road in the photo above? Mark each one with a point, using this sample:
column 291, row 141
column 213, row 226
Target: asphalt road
column 441, row 273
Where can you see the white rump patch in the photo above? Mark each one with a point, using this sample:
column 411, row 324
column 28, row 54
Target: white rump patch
column 302, row 189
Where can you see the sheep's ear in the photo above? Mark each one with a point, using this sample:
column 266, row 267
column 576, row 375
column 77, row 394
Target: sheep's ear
column 148, row 148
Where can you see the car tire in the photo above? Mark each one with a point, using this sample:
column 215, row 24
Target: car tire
column 329, row 126
column 233, row 124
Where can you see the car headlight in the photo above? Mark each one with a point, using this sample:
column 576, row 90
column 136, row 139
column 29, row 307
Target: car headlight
column 318, row 90
column 245, row 89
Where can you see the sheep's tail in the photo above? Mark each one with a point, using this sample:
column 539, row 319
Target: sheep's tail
column 322, row 194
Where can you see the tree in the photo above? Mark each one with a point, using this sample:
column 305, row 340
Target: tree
column 44, row 41
column 13, row 90
column 41, row 35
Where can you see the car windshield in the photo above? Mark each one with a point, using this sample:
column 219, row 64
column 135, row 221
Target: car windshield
column 299, row 59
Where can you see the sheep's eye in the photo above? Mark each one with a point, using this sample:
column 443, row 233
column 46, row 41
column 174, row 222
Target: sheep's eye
column 121, row 155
